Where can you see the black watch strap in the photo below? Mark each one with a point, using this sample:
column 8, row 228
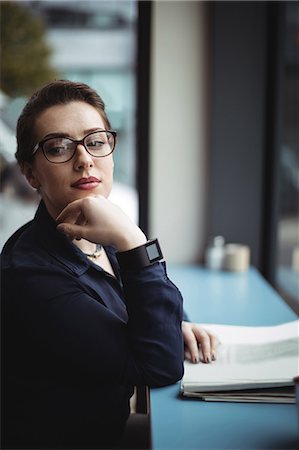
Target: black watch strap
column 141, row 256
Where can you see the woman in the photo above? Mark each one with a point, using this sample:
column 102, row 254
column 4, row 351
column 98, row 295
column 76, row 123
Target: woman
column 88, row 308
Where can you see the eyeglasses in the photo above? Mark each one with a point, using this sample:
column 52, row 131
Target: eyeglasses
column 59, row 150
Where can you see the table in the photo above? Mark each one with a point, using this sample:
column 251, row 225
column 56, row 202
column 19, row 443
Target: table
column 181, row 423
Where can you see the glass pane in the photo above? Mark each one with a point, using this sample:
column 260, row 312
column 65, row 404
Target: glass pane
column 89, row 41
column 287, row 275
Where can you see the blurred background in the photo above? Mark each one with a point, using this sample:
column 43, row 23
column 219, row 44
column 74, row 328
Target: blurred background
column 89, row 41
column 205, row 99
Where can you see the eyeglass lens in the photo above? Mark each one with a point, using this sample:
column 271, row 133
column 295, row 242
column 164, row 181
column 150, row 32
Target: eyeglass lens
column 60, row 149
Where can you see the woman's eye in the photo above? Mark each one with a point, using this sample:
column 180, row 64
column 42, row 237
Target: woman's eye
column 56, row 150
column 95, row 143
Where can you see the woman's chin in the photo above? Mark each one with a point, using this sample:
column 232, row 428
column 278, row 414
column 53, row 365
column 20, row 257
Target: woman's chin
column 82, row 193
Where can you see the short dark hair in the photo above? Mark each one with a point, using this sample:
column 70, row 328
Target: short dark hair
column 58, row 92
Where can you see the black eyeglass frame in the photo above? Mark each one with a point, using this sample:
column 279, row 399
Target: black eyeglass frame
column 77, row 142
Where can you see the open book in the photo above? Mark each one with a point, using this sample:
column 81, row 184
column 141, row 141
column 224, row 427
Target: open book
column 254, row 364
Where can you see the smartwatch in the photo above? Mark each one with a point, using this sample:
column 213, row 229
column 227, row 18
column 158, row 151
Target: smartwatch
column 141, row 256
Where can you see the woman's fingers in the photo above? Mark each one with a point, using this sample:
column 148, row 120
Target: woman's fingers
column 214, row 346
column 190, row 341
column 81, row 220
column 74, row 227
column 200, row 344
column 78, row 219
column 98, row 220
column 203, row 339
column 70, row 213
column 208, row 342
column 188, row 355
column 72, row 231
column 87, row 207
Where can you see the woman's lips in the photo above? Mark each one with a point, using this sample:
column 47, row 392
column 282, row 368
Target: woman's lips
column 86, row 183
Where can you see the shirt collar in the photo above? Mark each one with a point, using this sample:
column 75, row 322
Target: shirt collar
column 59, row 246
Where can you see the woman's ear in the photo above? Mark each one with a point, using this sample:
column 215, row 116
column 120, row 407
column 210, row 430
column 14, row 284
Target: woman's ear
column 30, row 175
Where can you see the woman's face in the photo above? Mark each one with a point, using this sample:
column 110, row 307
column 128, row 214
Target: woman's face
column 60, row 184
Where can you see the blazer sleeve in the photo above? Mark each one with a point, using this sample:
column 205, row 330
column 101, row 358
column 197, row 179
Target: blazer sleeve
column 49, row 315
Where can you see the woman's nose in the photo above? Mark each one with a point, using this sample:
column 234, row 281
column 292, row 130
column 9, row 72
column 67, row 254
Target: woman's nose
column 82, row 158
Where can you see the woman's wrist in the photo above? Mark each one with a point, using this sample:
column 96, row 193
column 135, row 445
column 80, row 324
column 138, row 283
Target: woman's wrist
column 142, row 256
column 131, row 240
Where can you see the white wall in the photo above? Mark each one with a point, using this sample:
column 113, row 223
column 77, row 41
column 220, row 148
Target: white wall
column 179, row 132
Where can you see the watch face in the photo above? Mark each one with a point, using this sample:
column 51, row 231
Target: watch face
column 154, row 251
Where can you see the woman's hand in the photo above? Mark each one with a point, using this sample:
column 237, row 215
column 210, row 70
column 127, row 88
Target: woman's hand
column 98, row 220
column 200, row 344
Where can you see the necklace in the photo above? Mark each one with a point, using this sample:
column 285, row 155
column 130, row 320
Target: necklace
column 96, row 254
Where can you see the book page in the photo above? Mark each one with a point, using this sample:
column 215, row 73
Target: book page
column 229, row 334
column 248, row 357
column 269, row 395
column 260, row 352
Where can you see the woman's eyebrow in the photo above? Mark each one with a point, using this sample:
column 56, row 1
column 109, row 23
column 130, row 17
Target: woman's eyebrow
column 91, row 130
column 58, row 134
column 65, row 134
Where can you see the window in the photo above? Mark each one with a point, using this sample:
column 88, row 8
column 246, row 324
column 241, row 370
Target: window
column 287, row 264
column 94, row 42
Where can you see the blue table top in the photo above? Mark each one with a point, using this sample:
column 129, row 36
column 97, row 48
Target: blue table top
column 180, row 423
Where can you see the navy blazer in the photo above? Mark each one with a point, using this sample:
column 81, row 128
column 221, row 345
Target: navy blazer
column 76, row 339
